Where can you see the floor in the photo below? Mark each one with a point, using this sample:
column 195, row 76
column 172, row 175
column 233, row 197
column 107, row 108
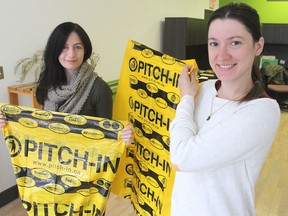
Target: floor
column 116, row 206
column 271, row 188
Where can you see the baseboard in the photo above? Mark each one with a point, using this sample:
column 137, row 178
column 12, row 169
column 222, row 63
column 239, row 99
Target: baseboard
column 8, row 195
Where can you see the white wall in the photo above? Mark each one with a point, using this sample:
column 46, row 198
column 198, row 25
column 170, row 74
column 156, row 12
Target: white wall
column 26, row 25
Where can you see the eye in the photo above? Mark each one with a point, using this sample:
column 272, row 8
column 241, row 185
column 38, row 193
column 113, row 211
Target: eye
column 213, row 44
column 235, row 43
column 78, row 47
column 65, row 46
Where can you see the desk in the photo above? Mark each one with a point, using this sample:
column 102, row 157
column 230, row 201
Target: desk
column 280, row 93
column 28, row 89
column 278, row 88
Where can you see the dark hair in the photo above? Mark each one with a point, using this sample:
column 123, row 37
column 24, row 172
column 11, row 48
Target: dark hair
column 53, row 74
column 249, row 17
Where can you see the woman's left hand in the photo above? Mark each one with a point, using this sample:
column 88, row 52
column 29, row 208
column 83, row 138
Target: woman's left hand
column 127, row 135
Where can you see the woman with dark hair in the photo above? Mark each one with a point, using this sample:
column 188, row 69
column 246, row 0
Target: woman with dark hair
column 68, row 83
column 223, row 128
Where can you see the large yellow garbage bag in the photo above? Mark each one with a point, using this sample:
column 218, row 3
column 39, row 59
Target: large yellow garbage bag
column 64, row 164
column 147, row 95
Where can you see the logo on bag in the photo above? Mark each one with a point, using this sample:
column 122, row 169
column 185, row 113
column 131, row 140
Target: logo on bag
column 10, row 109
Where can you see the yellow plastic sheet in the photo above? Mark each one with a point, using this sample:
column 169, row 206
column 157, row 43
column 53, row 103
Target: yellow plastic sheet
column 147, row 95
column 64, row 164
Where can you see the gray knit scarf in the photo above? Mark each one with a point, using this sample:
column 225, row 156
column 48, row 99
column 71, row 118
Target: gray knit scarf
column 71, row 98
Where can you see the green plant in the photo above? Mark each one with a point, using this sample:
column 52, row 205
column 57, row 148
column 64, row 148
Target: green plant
column 35, row 65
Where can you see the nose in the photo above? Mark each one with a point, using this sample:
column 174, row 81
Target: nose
column 223, row 53
column 71, row 51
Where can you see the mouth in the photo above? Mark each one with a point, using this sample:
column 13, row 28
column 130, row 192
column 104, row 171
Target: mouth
column 226, row 66
column 70, row 61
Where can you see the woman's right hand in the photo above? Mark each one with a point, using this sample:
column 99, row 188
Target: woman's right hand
column 3, row 120
column 187, row 81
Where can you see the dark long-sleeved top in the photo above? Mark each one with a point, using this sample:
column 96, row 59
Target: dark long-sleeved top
column 99, row 102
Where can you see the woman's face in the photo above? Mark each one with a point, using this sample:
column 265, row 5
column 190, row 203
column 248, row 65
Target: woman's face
column 72, row 54
column 232, row 50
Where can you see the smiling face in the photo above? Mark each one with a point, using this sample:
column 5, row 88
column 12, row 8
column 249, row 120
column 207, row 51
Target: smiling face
column 72, row 54
column 232, row 50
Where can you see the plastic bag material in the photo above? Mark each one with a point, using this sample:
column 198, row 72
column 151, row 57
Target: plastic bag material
column 64, row 164
column 147, row 95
